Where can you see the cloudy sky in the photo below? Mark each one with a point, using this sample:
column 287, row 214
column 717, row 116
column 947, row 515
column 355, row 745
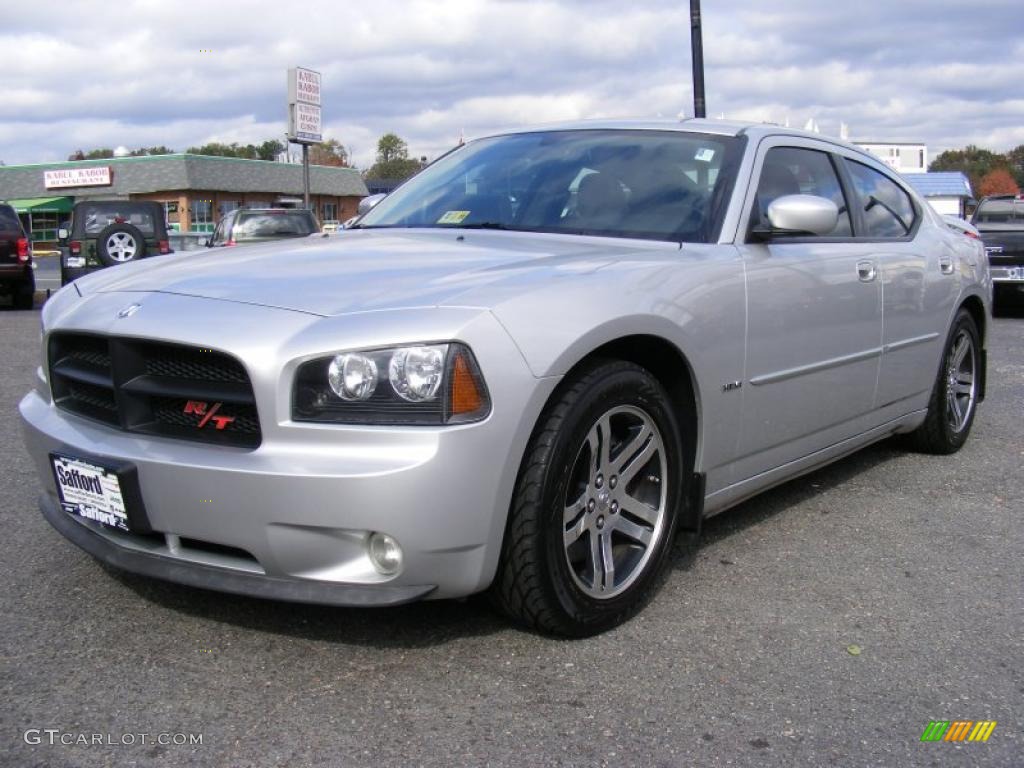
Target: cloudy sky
column 91, row 73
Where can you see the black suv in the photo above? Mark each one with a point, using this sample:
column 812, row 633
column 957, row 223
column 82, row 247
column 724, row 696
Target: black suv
column 16, row 276
column 105, row 233
column 1000, row 221
column 252, row 225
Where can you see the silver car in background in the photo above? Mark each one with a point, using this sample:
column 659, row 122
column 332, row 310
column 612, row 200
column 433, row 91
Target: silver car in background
column 528, row 371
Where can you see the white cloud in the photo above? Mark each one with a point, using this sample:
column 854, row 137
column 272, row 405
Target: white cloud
column 184, row 73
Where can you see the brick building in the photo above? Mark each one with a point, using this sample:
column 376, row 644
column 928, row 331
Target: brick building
column 196, row 190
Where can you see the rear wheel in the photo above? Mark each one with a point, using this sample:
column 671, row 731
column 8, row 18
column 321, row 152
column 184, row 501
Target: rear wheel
column 955, row 396
column 594, row 513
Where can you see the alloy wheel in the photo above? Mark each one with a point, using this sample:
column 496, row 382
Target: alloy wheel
column 615, row 504
column 961, row 386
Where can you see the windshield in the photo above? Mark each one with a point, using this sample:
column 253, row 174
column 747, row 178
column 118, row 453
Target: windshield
column 662, row 185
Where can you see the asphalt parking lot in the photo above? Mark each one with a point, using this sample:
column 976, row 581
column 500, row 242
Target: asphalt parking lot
column 743, row 658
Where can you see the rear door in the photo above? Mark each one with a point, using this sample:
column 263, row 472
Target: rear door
column 814, row 317
column 920, row 283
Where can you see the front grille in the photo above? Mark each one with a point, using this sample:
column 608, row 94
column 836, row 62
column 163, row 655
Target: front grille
column 154, row 388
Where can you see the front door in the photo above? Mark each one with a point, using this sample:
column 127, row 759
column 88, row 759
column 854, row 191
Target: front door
column 814, row 319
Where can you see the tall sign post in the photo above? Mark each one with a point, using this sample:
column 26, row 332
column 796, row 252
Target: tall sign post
column 697, row 49
column 305, row 123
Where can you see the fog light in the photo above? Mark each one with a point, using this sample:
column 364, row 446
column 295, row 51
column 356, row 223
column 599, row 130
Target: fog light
column 385, row 554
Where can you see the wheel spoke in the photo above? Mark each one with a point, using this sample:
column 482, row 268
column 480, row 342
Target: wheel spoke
column 960, row 351
column 635, row 532
column 639, row 509
column 595, row 562
column 958, row 415
column 634, row 445
column 608, row 560
column 963, row 388
column 639, row 461
column 575, row 531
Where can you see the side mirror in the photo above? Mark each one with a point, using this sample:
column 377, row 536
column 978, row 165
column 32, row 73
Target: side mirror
column 800, row 215
column 63, row 234
column 367, row 203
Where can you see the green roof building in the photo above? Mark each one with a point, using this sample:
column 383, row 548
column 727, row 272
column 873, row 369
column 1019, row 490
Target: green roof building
column 196, row 190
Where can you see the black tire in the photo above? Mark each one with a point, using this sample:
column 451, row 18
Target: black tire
column 103, row 239
column 535, row 583
column 938, row 435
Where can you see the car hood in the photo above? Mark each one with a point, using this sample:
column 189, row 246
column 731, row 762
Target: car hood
column 358, row 271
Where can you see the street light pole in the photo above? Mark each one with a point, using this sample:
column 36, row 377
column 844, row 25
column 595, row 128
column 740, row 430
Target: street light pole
column 697, row 49
column 305, row 175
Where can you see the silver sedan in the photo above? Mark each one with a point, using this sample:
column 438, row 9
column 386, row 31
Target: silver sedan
column 529, row 370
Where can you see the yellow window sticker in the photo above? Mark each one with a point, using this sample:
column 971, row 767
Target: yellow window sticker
column 453, row 217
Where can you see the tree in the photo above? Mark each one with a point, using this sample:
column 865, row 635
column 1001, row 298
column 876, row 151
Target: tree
column 269, row 150
column 144, row 151
column 1015, row 159
column 103, row 153
column 331, row 152
column 997, row 182
column 393, row 161
column 973, row 161
column 390, row 147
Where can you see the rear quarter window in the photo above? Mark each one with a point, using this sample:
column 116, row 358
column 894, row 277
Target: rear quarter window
column 9, row 221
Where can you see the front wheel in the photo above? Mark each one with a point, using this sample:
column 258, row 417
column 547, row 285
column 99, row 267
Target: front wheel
column 955, row 395
column 594, row 513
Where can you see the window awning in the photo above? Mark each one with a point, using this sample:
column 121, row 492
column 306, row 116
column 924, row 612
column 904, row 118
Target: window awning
column 42, row 205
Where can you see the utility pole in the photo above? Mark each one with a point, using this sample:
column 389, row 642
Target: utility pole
column 697, row 49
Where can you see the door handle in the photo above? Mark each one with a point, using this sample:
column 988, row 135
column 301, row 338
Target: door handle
column 866, row 271
column 946, row 265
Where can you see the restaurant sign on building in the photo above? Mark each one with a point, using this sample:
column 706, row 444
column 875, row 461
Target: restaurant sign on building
column 77, row 177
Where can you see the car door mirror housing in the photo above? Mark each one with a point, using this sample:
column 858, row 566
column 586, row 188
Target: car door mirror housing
column 367, row 203
column 799, row 215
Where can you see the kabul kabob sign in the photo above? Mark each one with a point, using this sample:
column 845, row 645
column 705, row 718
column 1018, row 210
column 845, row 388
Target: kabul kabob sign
column 305, row 125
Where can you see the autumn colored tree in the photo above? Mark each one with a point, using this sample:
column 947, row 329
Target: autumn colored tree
column 974, row 161
column 331, row 152
column 997, row 182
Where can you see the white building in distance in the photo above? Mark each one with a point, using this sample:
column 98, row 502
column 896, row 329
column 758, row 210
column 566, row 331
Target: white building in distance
column 904, row 157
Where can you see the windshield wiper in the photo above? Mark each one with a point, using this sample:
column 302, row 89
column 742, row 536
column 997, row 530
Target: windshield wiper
column 481, row 225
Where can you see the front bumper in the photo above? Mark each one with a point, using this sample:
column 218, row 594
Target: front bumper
column 162, row 563
column 291, row 518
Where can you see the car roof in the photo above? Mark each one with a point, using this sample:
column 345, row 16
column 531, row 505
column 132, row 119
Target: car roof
column 711, row 126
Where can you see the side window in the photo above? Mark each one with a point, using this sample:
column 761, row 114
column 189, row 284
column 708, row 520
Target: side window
column 888, row 211
column 794, row 171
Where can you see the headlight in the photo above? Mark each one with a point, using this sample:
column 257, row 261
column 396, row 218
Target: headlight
column 416, row 384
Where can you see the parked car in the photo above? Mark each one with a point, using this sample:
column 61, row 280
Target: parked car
column 253, row 225
column 1000, row 221
column 525, row 371
column 17, row 279
column 106, row 233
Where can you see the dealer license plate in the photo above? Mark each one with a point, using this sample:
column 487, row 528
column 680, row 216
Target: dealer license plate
column 90, row 491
